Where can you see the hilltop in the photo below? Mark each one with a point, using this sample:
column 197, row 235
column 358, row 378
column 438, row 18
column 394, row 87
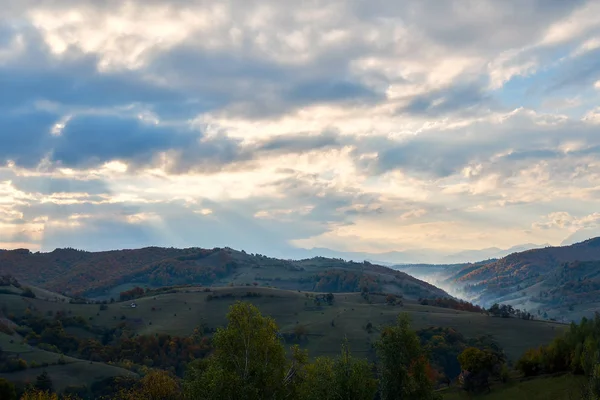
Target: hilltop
column 103, row 275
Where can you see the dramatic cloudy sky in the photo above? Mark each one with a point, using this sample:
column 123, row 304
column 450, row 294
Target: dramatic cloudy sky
column 368, row 126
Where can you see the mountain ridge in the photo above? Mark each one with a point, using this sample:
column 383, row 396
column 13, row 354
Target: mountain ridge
column 103, row 274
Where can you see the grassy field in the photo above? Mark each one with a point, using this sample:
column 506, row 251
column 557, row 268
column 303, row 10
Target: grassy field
column 74, row 372
column 179, row 313
column 566, row 387
column 80, row 373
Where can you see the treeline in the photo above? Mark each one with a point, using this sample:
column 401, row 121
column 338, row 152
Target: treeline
column 340, row 280
column 507, row 311
column 577, row 351
column 9, row 280
column 118, row 346
column 454, row 304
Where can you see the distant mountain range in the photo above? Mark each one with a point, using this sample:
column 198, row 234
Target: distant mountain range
column 423, row 256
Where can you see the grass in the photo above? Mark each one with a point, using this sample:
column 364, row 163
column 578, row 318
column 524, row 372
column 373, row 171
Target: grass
column 179, row 313
column 565, row 387
column 74, row 372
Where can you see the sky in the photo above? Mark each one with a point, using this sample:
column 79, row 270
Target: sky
column 271, row 126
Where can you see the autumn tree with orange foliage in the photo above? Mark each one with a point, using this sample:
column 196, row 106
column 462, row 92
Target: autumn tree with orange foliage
column 41, row 395
column 156, row 385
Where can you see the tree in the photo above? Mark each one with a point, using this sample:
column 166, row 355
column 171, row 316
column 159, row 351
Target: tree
column 402, row 364
column 43, row 382
column 39, row 395
column 300, row 331
column 249, row 360
column 7, row 390
column 330, row 298
column 156, row 385
column 27, row 292
column 477, row 366
column 345, row 377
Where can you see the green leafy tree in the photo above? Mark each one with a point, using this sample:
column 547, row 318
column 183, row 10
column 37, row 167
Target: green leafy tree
column 345, row 377
column 478, row 365
column 249, row 361
column 403, row 365
column 475, row 360
column 7, row 390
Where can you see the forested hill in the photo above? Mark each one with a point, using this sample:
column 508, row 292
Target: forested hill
column 561, row 282
column 535, row 262
column 81, row 273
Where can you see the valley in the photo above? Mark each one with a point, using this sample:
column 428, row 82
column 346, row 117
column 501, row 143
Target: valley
column 561, row 283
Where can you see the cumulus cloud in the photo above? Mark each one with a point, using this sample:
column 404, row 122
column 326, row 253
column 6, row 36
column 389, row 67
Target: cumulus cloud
column 388, row 126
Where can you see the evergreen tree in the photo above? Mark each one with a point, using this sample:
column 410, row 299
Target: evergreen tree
column 43, row 382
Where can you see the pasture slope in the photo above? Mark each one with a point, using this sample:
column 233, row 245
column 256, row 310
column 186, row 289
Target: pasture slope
column 71, row 372
column 325, row 325
column 565, row 387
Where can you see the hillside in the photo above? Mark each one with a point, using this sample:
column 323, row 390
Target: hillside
column 180, row 310
column 532, row 263
column 105, row 274
column 555, row 280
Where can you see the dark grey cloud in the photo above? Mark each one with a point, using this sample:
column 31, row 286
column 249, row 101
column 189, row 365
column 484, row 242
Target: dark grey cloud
column 456, row 99
column 249, row 85
column 442, row 153
column 47, row 185
column 577, row 73
column 73, row 80
column 330, row 90
column 91, row 140
column 301, row 142
column 24, row 136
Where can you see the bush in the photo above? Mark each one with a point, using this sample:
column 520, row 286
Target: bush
column 4, row 328
column 530, row 364
column 27, row 292
column 15, row 364
column 49, row 347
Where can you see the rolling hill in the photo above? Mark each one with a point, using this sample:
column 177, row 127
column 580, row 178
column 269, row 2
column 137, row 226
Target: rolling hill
column 180, row 311
column 105, row 274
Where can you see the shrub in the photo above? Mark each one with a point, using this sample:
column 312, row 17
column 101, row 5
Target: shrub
column 4, row 328
column 27, row 292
